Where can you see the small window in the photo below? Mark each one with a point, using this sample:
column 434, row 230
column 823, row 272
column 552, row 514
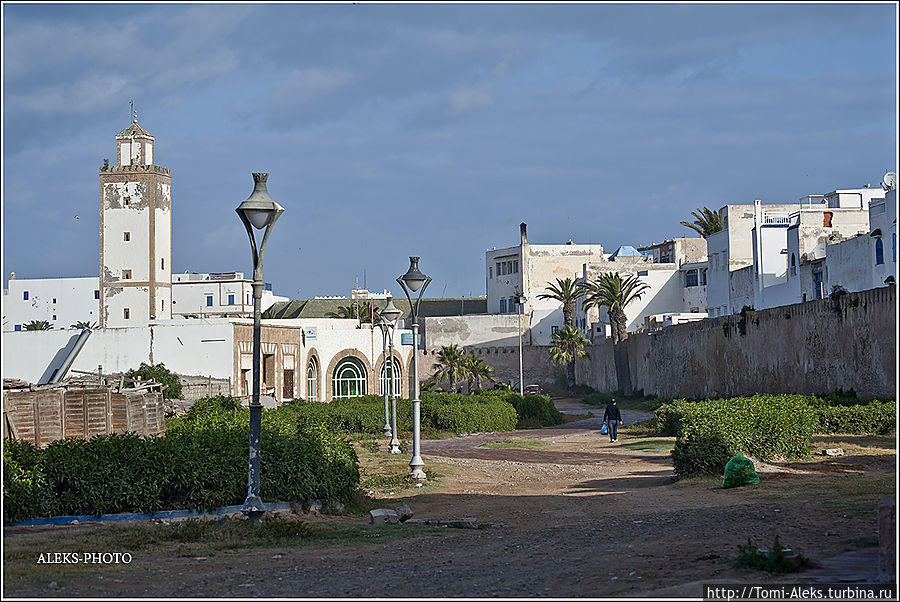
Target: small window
column 162, row 304
column 126, row 200
column 25, row 295
column 490, row 272
column 126, row 274
column 209, row 300
column 18, row 327
column 690, row 278
column 126, row 313
column 553, row 329
column 793, row 265
column 54, row 299
column 162, row 263
column 702, row 277
column 516, row 266
column 54, row 316
column 503, row 306
column 230, row 299
column 96, row 294
column 879, row 252
column 126, row 236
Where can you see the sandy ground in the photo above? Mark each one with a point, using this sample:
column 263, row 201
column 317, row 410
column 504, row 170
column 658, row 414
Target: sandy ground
column 580, row 517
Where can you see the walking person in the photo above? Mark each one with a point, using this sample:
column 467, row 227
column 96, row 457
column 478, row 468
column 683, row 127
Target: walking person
column 613, row 418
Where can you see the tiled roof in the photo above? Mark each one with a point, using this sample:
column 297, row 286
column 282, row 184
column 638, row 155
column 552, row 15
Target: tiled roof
column 135, row 129
column 429, row 308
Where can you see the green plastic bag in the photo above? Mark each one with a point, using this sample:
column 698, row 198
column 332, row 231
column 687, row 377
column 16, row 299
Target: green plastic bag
column 738, row 472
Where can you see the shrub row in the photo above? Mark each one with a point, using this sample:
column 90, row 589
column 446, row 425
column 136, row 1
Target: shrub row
column 200, row 462
column 763, row 426
column 875, row 417
column 453, row 412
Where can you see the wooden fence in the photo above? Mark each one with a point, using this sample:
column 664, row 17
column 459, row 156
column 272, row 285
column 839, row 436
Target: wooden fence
column 42, row 417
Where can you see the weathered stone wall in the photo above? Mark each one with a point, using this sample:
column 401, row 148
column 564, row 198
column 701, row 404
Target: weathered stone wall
column 815, row 347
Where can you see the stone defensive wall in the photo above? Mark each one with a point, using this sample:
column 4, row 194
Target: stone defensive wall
column 816, row 347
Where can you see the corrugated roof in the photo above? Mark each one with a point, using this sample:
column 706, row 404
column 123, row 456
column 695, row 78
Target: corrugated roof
column 429, row 308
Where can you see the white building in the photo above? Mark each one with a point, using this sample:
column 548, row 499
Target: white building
column 224, row 294
column 765, row 253
column 135, row 234
column 59, row 301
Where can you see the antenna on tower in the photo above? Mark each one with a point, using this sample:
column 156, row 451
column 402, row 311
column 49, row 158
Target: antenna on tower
column 133, row 114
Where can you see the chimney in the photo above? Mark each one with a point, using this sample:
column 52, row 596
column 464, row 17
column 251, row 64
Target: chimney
column 522, row 228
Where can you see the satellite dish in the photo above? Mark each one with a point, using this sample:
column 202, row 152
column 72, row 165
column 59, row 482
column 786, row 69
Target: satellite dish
column 890, row 181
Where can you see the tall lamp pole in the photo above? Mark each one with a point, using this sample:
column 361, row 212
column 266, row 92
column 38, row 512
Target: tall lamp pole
column 390, row 314
column 414, row 280
column 259, row 211
column 382, row 324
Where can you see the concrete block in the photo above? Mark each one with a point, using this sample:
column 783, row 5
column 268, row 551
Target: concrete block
column 887, row 545
column 383, row 516
column 404, row 512
column 836, row 451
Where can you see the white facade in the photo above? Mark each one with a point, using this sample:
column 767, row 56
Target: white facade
column 224, row 294
column 60, row 301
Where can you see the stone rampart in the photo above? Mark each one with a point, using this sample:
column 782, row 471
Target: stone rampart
column 815, row 347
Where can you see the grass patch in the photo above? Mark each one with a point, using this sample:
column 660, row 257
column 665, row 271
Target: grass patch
column 384, row 475
column 189, row 539
column 776, row 560
column 654, row 445
column 516, row 444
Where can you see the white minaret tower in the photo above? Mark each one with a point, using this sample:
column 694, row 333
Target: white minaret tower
column 135, row 234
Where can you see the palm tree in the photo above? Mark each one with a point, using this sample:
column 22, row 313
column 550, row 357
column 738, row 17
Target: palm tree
column 355, row 311
column 476, row 369
column 38, row 325
column 450, row 365
column 706, row 221
column 615, row 293
column 80, row 325
column 566, row 291
column 568, row 344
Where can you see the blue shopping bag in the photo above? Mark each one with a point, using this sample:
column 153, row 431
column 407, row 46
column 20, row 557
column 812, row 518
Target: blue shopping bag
column 603, row 429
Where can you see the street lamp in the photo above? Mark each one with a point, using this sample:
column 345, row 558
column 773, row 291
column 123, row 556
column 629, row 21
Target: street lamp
column 520, row 301
column 414, row 280
column 389, row 316
column 259, row 211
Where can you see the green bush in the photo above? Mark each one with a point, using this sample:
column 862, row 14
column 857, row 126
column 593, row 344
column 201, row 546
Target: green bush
column 875, row 417
column 762, row 426
column 466, row 417
column 532, row 410
column 160, row 374
column 200, row 462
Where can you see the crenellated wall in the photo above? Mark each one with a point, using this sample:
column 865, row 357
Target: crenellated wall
column 814, row 347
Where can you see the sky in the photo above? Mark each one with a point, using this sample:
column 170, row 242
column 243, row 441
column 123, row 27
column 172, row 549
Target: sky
column 391, row 130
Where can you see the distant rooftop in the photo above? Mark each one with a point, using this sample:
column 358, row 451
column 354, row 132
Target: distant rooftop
column 626, row 251
column 321, row 308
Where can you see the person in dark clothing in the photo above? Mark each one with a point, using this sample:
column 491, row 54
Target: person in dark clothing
column 613, row 418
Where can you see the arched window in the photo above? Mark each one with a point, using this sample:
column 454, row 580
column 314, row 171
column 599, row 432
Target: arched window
column 793, row 265
column 879, row 251
column 383, row 379
column 349, row 379
column 312, row 380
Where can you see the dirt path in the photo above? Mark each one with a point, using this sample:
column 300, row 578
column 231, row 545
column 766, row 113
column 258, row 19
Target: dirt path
column 579, row 517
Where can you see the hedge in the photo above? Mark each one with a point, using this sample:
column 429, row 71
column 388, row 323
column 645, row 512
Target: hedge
column 453, row 412
column 200, row 462
column 875, row 417
column 762, row 426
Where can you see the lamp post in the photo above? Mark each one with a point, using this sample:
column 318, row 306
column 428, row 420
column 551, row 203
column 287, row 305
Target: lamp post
column 414, row 280
column 259, row 211
column 389, row 315
column 520, row 301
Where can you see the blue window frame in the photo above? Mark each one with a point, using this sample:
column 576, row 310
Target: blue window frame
column 209, row 300
column 96, row 294
column 230, row 299
column 18, row 327
column 879, row 252
column 502, row 306
column 25, row 296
